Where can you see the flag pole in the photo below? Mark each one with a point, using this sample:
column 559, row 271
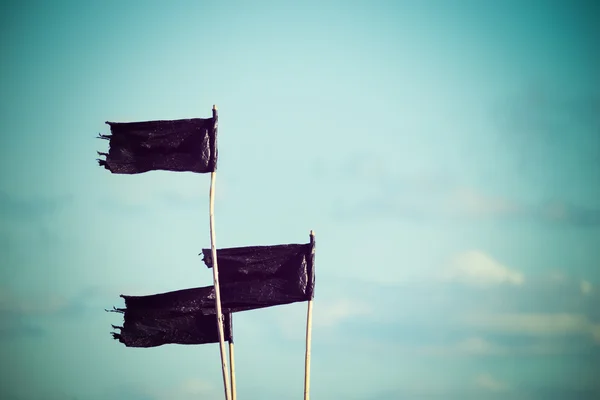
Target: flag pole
column 213, row 248
column 231, row 358
column 232, row 370
column 309, row 322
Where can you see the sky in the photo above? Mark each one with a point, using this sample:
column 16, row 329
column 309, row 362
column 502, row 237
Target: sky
column 446, row 154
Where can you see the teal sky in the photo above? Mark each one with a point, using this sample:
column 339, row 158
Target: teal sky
column 446, row 153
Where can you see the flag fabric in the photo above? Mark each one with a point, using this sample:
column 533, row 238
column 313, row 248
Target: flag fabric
column 250, row 278
column 147, row 329
column 265, row 275
column 185, row 145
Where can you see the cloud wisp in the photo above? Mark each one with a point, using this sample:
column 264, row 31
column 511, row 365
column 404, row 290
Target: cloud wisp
column 439, row 196
column 467, row 205
column 28, row 314
column 474, row 307
column 536, row 325
column 32, row 208
column 479, row 269
column 488, row 382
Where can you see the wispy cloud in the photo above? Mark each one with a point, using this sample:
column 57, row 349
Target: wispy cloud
column 185, row 389
column 488, row 382
column 488, row 344
column 474, row 345
column 30, row 223
column 541, row 325
column 539, row 115
column 470, row 202
column 469, row 346
column 30, row 305
column 12, row 327
column 479, row 269
column 481, row 310
column 15, row 316
column 157, row 188
column 26, row 314
column 552, row 137
column 437, row 197
column 193, row 388
column 330, row 314
column 31, row 208
column 329, row 317
column 586, row 288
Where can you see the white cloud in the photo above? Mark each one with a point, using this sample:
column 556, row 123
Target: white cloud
column 327, row 315
column 42, row 304
column 472, row 202
column 194, row 388
column 536, row 324
column 555, row 211
column 189, row 389
column 472, row 346
column 586, row 287
column 479, row 269
column 557, row 277
column 158, row 185
column 331, row 314
column 478, row 346
column 596, row 332
column 488, row 382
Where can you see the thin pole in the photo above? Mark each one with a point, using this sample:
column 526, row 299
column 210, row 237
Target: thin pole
column 232, row 368
column 213, row 248
column 309, row 326
column 307, row 356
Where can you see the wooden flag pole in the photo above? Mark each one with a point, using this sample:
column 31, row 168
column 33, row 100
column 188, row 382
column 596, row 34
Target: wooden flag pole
column 307, row 355
column 213, row 248
column 232, row 370
column 309, row 328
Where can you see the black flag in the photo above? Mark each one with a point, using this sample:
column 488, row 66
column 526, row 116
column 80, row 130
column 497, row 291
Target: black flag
column 265, row 276
column 185, row 145
column 250, row 278
column 147, row 329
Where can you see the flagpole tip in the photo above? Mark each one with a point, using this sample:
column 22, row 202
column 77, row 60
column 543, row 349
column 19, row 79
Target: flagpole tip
column 312, row 233
column 215, row 107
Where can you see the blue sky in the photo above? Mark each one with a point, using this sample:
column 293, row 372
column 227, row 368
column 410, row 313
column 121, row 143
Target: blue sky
column 446, row 153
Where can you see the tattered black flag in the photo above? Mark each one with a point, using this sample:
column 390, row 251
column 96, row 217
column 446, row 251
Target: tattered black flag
column 250, row 278
column 185, row 145
column 148, row 329
column 264, row 276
